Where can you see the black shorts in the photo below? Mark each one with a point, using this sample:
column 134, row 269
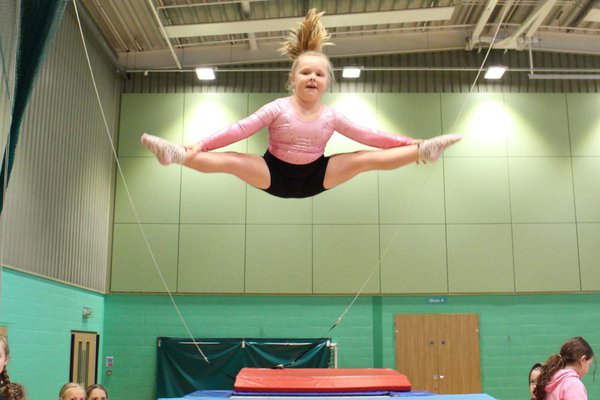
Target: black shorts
column 295, row 181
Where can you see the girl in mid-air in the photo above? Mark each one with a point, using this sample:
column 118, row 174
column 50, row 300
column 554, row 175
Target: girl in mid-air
column 299, row 126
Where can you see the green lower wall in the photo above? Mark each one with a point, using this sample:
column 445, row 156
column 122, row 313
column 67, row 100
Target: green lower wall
column 40, row 315
column 516, row 330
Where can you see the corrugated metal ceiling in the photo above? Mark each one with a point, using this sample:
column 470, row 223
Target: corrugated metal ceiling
column 175, row 34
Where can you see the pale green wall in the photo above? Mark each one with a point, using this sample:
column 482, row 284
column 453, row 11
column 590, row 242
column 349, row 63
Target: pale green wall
column 40, row 315
column 511, row 208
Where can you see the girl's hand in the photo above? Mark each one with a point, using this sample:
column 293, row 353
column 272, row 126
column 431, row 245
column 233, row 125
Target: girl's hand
column 195, row 148
column 419, row 141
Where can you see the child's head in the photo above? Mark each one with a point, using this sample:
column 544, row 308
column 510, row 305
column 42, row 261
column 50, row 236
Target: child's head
column 534, row 372
column 576, row 349
column 71, row 391
column 307, row 40
column 97, row 392
column 4, row 356
column 576, row 354
column 13, row 391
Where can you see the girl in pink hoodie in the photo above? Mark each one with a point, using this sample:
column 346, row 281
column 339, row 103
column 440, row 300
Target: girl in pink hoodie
column 560, row 377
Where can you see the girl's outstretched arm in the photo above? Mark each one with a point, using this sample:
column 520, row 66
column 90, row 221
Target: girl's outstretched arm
column 239, row 130
column 369, row 136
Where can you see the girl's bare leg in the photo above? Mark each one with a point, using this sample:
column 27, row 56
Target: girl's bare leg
column 343, row 167
column 250, row 168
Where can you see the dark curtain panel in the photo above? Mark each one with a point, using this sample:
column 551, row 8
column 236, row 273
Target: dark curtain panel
column 38, row 22
column 182, row 370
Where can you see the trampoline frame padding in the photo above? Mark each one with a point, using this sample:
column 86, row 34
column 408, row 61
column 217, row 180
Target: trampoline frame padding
column 320, row 380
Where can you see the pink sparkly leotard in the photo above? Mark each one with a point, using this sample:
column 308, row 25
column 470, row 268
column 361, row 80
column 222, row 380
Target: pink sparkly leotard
column 298, row 141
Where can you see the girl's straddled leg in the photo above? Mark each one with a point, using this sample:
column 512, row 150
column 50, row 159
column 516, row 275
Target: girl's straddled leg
column 343, row 167
column 250, row 168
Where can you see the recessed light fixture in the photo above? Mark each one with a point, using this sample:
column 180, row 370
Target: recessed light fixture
column 205, row 74
column 495, row 72
column 351, row 72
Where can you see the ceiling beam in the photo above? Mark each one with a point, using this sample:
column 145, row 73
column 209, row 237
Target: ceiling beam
column 513, row 40
column 483, row 19
column 329, row 21
column 350, row 46
column 546, row 8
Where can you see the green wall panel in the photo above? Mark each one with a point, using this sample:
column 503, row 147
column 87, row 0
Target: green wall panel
column 515, row 330
column 361, row 108
column 211, row 258
column 353, row 202
column 541, row 190
column 481, row 119
column 157, row 114
column 410, row 114
column 532, row 130
column 154, row 190
column 412, row 194
column 344, row 256
column 584, row 123
column 144, row 318
column 133, row 267
column 413, row 259
column 40, row 315
column 480, row 258
column 588, row 236
column 586, row 185
column 212, row 198
column 207, row 113
column 546, row 258
column 279, row 259
column 477, row 190
column 513, row 167
column 262, row 208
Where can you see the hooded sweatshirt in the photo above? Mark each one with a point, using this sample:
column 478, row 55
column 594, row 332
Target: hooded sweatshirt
column 566, row 385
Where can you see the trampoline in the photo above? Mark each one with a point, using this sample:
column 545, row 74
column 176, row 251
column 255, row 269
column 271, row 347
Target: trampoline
column 320, row 380
column 323, row 384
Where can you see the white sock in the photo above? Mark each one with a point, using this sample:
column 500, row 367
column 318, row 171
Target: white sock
column 432, row 149
column 165, row 152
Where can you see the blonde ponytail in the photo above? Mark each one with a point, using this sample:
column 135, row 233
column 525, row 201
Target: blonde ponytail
column 311, row 36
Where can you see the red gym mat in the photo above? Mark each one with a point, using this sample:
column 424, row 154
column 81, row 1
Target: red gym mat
column 320, row 380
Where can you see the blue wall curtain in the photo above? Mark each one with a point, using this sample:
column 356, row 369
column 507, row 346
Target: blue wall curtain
column 38, row 22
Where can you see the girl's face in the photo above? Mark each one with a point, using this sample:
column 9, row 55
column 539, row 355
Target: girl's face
column 584, row 367
column 97, row 394
column 310, row 78
column 533, row 381
column 3, row 357
column 74, row 394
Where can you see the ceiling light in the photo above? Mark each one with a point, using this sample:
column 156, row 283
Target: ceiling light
column 351, row 72
column 495, row 72
column 205, row 74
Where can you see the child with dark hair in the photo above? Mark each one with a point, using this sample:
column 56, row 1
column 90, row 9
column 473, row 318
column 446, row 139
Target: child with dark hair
column 534, row 372
column 560, row 377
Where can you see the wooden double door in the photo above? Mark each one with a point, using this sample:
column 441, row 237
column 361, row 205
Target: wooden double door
column 439, row 352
